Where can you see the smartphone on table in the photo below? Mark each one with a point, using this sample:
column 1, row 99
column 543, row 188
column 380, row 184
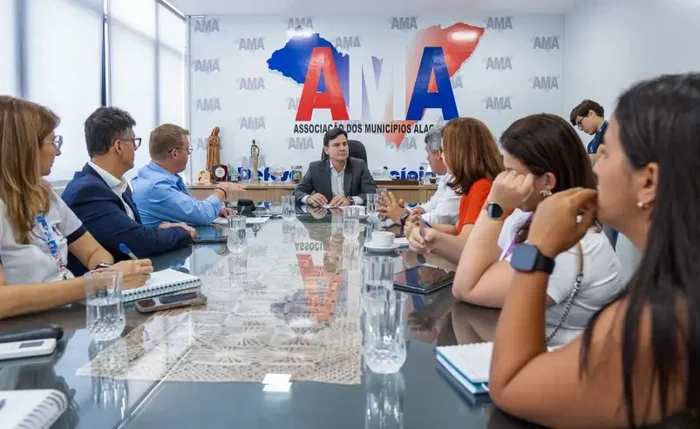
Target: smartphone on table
column 167, row 302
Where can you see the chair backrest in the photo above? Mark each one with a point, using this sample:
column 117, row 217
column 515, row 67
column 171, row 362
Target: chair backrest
column 356, row 150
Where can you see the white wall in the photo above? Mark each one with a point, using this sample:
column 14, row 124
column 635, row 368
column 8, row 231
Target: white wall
column 611, row 44
column 219, row 62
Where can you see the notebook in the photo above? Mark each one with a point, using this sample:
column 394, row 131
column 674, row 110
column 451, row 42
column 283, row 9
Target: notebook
column 469, row 364
column 161, row 283
column 31, row 409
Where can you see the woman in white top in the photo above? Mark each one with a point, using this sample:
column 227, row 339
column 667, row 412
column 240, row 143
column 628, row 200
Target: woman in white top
column 37, row 229
column 542, row 155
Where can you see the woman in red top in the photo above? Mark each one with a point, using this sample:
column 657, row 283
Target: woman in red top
column 471, row 154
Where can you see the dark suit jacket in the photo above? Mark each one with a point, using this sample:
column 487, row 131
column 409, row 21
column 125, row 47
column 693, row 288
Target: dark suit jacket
column 103, row 214
column 357, row 181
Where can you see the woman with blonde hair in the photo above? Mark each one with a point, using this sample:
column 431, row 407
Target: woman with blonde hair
column 37, row 229
column 472, row 156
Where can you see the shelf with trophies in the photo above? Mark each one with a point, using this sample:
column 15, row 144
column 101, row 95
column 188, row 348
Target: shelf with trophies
column 271, row 182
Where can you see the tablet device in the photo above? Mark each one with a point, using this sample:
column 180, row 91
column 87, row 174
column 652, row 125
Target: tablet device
column 209, row 235
column 422, row 279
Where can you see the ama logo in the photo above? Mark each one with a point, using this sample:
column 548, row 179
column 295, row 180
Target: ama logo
column 396, row 89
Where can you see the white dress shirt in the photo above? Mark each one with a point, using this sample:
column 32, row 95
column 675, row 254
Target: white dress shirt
column 118, row 186
column 443, row 207
column 337, row 185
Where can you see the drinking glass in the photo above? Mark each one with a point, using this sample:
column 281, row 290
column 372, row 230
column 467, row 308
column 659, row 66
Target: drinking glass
column 385, row 330
column 378, row 273
column 277, row 171
column 371, row 202
column 236, row 235
column 104, row 314
column 288, row 207
column 351, row 222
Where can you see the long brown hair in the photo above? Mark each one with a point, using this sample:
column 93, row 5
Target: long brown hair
column 546, row 143
column 23, row 127
column 471, row 153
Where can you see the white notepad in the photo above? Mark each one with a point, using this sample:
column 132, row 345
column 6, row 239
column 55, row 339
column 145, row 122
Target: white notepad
column 248, row 220
column 161, row 283
column 31, row 409
column 469, row 364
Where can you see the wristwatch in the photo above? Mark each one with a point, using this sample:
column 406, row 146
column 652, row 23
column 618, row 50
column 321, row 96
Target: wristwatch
column 103, row 265
column 495, row 211
column 404, row 216
column 528, row 258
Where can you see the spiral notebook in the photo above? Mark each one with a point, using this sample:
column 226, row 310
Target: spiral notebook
column 31, row 409
column 161, row 283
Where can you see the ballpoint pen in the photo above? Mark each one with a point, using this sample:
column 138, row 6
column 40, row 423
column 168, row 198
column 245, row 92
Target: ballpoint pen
column 125, row 250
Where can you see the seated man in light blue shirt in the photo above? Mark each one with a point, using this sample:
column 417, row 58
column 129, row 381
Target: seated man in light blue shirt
column 159, row 191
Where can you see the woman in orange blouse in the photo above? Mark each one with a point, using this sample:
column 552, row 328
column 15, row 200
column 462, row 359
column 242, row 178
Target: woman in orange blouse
column 471, row 154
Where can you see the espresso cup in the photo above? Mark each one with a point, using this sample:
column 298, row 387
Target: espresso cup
column 382, row 238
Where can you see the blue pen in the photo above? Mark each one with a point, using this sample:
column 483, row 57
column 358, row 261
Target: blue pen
column 125, row 250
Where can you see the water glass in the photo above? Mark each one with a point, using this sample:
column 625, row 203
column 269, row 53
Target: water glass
column 385, row 330
column 378, row 273
column 351, row 222
column 371, row 202
column 236, row 234
column 104, row 305
column 288, row 207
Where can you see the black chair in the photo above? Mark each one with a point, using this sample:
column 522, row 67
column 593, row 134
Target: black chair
column 356, row 149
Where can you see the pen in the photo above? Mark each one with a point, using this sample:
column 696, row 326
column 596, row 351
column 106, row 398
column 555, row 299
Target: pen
column 125, row 250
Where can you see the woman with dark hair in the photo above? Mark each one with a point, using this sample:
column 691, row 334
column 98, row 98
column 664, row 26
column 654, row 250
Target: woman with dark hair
column 543, row 156
column 636, row 364
column 471, row 155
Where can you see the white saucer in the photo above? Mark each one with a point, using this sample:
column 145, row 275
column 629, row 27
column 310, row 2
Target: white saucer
column 375, row 248
column 401, row 241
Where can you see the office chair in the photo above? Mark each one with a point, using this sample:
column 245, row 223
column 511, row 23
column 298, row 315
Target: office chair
column 356, row 150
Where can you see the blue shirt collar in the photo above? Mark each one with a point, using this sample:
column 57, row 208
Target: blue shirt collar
column 602, row 129
column 158, row 169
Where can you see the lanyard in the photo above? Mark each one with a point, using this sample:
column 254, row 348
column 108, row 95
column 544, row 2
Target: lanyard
column 53, row 246
column 512, row 243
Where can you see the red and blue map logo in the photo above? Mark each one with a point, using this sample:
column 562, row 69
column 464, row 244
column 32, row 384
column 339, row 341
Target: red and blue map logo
column 434, row 56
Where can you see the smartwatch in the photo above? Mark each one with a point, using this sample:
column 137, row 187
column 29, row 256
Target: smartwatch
column 528, row 258
column 495, row 211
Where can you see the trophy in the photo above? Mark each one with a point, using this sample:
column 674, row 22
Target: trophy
column 254, row 158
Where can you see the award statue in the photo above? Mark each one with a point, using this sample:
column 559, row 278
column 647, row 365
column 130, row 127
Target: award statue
column 254, row 158
column 213, row 149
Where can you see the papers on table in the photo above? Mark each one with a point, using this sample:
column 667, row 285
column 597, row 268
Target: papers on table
column 248, row 220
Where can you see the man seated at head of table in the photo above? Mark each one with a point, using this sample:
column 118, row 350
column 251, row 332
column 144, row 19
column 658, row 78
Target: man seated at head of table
column 159, row 191
column 37, row 229
column 338, row 181
column 101, row 198
column 443, row 207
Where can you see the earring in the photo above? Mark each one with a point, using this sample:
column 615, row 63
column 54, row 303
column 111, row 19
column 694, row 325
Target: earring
column 544, row 193
column 642, row 206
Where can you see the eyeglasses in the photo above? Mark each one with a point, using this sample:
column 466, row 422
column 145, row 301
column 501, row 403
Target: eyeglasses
column 188, row 149
column 135, row 140
column 58, row 142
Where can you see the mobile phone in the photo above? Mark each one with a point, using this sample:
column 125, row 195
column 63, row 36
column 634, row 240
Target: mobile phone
column 166, row 302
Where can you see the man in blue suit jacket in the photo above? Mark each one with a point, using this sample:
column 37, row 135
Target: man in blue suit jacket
column 100, row 196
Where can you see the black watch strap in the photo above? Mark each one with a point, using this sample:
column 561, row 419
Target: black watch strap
column 405, row 217
column 528, row 258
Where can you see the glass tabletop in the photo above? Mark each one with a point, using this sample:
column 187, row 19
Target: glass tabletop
column 288, row 304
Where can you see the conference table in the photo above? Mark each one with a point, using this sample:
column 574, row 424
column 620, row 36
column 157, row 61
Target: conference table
column 289, row 304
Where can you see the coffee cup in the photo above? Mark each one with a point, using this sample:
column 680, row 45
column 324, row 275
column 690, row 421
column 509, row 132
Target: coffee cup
column 383, row 238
